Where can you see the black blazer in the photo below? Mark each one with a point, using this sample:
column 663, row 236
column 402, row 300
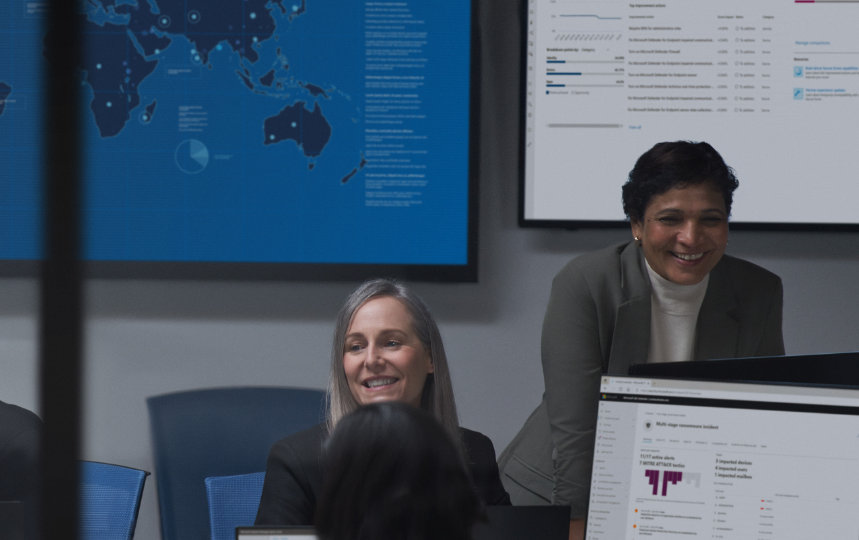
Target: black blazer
column 294, row 475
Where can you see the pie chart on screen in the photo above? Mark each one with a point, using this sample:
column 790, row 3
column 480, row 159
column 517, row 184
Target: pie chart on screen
column 192, row 156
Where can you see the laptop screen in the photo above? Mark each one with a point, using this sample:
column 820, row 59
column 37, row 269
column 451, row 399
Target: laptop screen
column 502, row 523
column 839, row 369
column 275, row 533
column 676, row 458
column 524, row 523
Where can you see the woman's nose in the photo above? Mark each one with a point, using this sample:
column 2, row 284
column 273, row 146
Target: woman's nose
column 374, row 357
column 690, row 231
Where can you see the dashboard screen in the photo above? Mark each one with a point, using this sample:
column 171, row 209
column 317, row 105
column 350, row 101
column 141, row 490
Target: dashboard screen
column 720, row 460
column 772, row 85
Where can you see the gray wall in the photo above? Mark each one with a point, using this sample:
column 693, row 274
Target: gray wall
column 151, row 337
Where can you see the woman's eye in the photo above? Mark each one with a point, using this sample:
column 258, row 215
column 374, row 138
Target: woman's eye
column 392, row 343
column 354, row 347
column 668, row 220
column 712, row 221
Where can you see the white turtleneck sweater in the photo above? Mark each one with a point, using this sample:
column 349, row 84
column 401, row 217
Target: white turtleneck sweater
column 673, row 315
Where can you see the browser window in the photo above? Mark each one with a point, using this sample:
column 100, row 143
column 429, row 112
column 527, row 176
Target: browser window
column 724, row 460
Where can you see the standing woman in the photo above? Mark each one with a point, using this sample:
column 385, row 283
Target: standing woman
column 671, row 294
column 387, row 347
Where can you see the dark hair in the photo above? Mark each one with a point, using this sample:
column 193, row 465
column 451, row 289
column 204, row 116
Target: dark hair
column 437, row 397
column 392, row 472
column 676, row 164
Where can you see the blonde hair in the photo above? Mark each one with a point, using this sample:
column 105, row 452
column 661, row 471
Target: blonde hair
column 437, row 396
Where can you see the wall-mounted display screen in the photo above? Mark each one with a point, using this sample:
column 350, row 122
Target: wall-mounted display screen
column 293, row 138
column 772, row 85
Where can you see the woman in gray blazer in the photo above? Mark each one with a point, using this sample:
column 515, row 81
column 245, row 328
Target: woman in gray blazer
column 671, row 294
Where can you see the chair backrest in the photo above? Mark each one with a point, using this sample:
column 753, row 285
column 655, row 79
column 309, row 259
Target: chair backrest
column 233, row 502
column 109, row 500
column 218, row 432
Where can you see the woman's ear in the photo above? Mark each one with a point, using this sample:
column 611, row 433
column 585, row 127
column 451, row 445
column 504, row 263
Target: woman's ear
column 637, row 229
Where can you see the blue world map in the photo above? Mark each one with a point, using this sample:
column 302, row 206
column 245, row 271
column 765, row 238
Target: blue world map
column 250, row 130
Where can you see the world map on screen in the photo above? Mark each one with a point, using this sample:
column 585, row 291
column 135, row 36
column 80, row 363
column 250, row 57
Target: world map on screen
column 250, row 130
column 123, row 37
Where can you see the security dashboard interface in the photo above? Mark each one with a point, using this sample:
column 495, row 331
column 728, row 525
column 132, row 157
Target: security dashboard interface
column 692, row 459
column 769, row 83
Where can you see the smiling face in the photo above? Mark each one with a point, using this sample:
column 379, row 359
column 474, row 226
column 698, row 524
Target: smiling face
column 383, row 358
column 684, row 232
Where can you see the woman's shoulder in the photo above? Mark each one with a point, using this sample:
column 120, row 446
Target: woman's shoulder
column 476, row 443
column 599, row 257
column 18, row 419
column 484, row 467
column 746, row 272
column 599, row 270
column 471, row 435
column 599, row 261
column 302, row 442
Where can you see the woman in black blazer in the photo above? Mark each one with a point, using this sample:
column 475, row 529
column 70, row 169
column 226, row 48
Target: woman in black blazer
column 387, row 347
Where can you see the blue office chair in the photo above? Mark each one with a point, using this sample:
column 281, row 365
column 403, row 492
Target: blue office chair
column 109, row 500
column 233, row 502
column 218, row 432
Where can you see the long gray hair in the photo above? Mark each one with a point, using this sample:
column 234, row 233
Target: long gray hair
column 437, row 396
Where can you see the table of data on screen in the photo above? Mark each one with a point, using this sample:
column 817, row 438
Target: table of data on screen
column 772, row 85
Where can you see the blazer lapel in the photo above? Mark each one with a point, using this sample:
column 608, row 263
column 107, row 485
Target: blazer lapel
column 718, row 329
column 631, row 339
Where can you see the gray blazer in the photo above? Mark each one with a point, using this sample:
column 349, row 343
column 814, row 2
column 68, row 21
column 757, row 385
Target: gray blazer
column 598, row 321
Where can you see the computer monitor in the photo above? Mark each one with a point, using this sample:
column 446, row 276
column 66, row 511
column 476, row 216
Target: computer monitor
column 544, row 522
column 275, row 533
column 691, row 458
column 502, row 523
column 826, row 368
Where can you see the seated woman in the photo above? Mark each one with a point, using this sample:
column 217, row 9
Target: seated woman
column 20, row 435
column 387, row 347
column 393, row 472
column 671, row 294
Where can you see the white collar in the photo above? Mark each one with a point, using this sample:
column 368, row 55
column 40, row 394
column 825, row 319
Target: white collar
column 675, row 298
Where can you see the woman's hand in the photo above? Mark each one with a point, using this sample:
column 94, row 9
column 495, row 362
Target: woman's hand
column 577, row 529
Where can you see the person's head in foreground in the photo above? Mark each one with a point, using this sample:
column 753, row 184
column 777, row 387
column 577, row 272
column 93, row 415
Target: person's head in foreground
column 678, row 198
column 387, row 347
column 394, row 473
